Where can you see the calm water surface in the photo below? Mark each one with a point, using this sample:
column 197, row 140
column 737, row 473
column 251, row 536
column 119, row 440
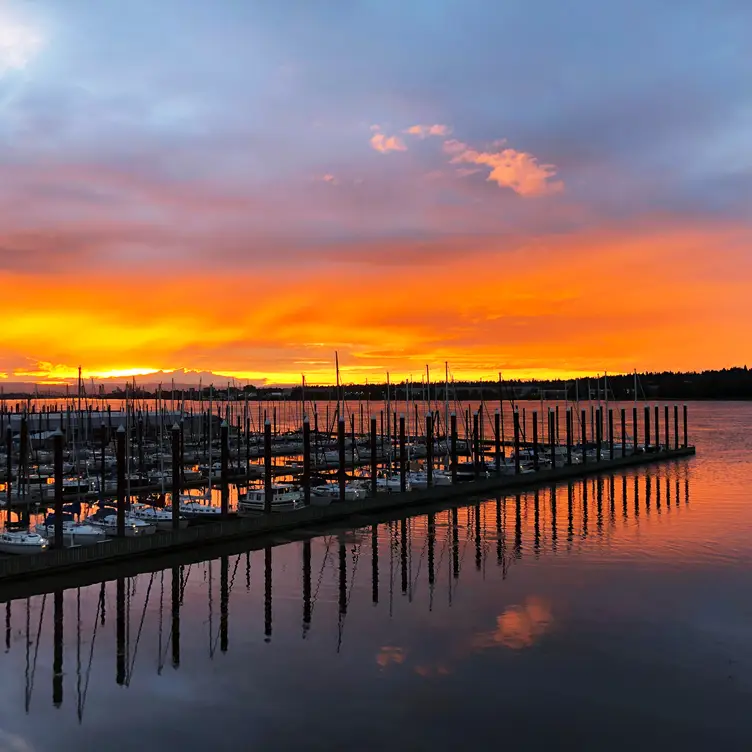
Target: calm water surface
column 609, row 614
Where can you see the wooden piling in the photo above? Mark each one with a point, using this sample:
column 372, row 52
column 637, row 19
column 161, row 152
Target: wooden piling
column 610, row 433
column 306, row 462
column 686, row 432
column 402, row 457
column 623, row 432
column 341, row 472
column 666, row 424
column 177, row 464
column 552, row 438
column 374, row 457
column 535, row 440
column 516, row 422
column 429, row 450
column 635, row 441
column 57, row 449
column 268, row 491
column 657, row 428
column 583, row 430
column 224, row 455
column 120, row 460
column 646, row 427
column 453, row 446
column 676, row 426
column 497, row 441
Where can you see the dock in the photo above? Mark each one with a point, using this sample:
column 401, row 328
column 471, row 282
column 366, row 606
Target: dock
column 119, row 550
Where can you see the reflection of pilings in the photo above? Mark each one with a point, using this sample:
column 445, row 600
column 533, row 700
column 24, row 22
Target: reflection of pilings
column 455, row 545
column 342, row 579
column 431, row 550
column 175, row 629
column 57, row 647
column 499, row 540
column 599, row 503
column 636, row 496
column 403, row 553
column 517, row 526
column 536, row 522
column 120, row 629
column 648, row 491
column 658, row 493
column 612, row 498
column 306, row 585
column 553, row 518
column 570, row 513
column 224, row 602
column 268, row 593
column 584, row 508
column 624, row 497
column 375, row 563
column 478, row 557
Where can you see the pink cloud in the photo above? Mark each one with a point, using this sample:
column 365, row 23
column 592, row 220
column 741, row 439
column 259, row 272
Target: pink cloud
column 383, row 143
column 510, row 168
column 424, row 131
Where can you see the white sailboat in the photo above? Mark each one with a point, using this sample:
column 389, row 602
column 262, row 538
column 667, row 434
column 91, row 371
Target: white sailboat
column 22, row 542
column 74, row 533
column 285, row 498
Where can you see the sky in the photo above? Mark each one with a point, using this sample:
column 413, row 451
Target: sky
column 530, row 187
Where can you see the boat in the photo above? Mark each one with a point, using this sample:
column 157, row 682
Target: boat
column 419, row 479
column 197, row 507
column 353, row 491
column 285, row 498
column 76, row 485
column 22, row 542
column 74, row 533
column 161, row 518
column 392, row 483
column 106, row 519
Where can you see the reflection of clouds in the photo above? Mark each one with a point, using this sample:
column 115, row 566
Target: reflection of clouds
column 390, row 654
column 13, row 743
column 518, row 627
column 428, row 671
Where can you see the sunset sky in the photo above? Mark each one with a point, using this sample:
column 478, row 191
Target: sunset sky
column 535, row 187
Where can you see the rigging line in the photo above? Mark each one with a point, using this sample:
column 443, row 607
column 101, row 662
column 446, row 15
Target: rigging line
column 414, row 586
column 321, row 572
column 91, row 659
column 36, row 648
column 343, row 616
column 462, row 560
column 78, row 651
column 213, row 648
column 161, row 622
column 140, row 627
column 184, row 582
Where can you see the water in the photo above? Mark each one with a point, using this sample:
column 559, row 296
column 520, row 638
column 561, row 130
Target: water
column 622, row 623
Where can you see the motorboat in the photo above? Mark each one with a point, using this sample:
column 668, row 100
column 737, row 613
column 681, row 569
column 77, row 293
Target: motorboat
column 161, row 518
column 419, row 479
column 74, row 533
column 22, row 542
column 106, row 519
column 285, row 498
column 353, row 491
column 197, row 507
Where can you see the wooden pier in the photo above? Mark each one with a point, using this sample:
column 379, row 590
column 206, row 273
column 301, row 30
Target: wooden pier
column 122, row 550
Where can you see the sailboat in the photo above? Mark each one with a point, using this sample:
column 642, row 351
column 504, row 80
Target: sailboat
column 22, row 542
column 74, row 533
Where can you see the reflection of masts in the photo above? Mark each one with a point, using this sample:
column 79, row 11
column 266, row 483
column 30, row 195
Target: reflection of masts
column 224, row 601
column 455, row 545
column 431, row 557
column 478, row 552
column 57, row 649
column 175, row 629
column 31, row 669
column 268, row 594
column 554, row 533
column 160, row 629
column 403, row 554
column 140, row 627
column 306, row 586
column 211, row 613
column 375, row 562
column 342, row 592
column 536, row 523
column 120, row 629
column 517, row 526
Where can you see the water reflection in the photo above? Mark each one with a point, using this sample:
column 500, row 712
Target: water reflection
column 156, row 613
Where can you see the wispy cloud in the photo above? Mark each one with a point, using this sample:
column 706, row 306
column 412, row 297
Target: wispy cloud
column 510, row 168
column 383, row 143
column 19, row 45
column 424, row 131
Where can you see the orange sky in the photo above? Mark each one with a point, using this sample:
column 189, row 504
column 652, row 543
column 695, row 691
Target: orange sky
column 568, row 305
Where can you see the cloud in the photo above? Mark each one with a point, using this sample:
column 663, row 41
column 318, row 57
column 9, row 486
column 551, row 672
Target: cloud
column 510, row 168
column 384, row 143
column 329, row 178
column 424, row 131
column 19, row 45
